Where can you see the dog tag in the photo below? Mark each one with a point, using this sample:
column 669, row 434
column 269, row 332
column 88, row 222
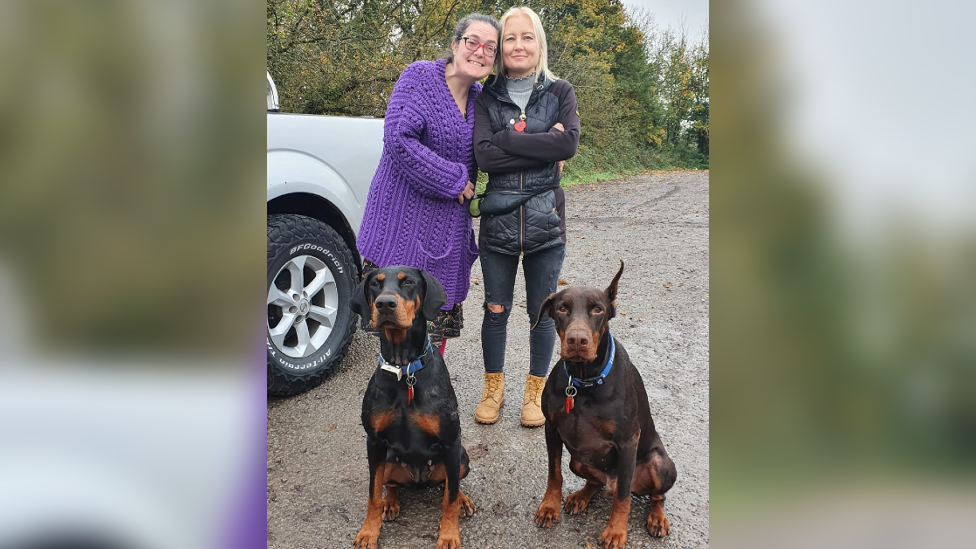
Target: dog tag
column 411, row 379
column 569, row 404
column 392, row 369
column 570, row 396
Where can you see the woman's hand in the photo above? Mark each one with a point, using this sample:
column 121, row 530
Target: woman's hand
column 559, row 126
column 467, row 193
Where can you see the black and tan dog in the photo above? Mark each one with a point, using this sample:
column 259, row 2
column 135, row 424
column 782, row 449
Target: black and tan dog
column 595, row 403
column 410, row 411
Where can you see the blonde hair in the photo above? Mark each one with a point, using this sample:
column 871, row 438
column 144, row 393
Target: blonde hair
column 542, row 67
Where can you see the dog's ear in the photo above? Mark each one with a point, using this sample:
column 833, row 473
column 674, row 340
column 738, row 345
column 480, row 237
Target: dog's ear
column 359, row 302
column 434, row 298
column 612, row 291
column 545, row 309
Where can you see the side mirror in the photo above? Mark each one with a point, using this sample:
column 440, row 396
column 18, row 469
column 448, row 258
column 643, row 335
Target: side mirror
column 272, row 95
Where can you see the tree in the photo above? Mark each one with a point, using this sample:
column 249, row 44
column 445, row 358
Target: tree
column 699, row 89
column 643, row 94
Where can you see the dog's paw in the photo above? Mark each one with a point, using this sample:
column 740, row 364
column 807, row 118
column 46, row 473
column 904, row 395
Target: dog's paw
column 613, row 538
column 658, row 524
column 547, row 515
column 576, row 502
column 391, row 509
column 467, row 508
column 449, row 539
column 366, row 539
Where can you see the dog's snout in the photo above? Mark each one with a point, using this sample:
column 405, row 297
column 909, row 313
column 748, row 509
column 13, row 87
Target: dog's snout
column 578, row 340
column 385, row 303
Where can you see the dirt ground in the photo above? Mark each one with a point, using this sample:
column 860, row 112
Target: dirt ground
column 658, row 224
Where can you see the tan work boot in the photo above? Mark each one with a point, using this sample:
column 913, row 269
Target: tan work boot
column 532, row 401
column 492, row 399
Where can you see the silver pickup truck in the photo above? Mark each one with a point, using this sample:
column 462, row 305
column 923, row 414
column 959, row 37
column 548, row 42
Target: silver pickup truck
column 319, row 171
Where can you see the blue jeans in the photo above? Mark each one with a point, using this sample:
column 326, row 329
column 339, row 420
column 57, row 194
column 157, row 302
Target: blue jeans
column 541, row 277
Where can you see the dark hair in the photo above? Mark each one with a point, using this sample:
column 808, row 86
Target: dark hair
column 463, row 25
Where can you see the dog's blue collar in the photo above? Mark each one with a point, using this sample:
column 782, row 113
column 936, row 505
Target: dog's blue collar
column 598, row 380
column 411, row 368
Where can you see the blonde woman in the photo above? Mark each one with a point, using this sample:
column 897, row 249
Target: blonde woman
column 526, row 123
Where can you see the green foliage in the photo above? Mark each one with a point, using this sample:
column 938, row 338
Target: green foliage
column 643, row 95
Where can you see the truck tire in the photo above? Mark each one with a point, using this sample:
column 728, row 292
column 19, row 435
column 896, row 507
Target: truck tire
column 311, row 276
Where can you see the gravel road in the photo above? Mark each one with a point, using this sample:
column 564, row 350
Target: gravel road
column 658, row 224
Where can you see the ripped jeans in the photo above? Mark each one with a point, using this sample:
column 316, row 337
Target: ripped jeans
column 541, row 271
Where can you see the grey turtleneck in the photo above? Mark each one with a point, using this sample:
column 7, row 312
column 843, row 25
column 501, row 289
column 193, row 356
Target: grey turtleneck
column 519, row 89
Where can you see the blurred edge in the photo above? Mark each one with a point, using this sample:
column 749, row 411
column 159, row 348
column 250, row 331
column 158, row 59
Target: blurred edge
column 843, row 327
column 843, row 366
column 131, row 239
column 131, row 199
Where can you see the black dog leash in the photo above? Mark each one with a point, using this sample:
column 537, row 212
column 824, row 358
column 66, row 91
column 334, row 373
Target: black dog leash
column 409, row 371
column 587, row 382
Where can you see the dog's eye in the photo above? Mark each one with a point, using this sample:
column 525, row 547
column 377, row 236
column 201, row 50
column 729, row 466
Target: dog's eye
column 597, row 310
column 407, row 282
column 562, row 309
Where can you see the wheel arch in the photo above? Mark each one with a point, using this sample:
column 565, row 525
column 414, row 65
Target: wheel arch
column 316, row 207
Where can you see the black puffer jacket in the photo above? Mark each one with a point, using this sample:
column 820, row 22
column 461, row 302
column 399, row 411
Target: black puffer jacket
column 525, row 160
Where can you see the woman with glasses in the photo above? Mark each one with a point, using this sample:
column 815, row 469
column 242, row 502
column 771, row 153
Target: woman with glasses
column 415, row 211
column 526, row 124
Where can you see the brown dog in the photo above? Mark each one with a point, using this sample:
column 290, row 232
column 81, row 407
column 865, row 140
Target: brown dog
column 595, row 403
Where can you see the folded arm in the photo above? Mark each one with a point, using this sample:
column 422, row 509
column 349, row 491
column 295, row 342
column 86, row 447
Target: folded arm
column 490, row 157
column 551, row 146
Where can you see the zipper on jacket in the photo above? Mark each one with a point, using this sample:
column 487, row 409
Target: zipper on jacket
column 522, row 117
column 521, row 221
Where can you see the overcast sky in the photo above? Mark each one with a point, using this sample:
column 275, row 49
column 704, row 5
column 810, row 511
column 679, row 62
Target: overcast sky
column 692, row 14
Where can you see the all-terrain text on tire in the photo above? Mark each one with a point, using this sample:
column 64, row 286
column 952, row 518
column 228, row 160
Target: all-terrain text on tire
column 311, row 276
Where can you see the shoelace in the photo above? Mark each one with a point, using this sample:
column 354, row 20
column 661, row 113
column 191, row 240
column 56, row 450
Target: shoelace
column 490, row 388
column 535, row 390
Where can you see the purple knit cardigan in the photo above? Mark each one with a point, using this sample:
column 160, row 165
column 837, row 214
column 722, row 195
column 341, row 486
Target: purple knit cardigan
column 412, row 214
